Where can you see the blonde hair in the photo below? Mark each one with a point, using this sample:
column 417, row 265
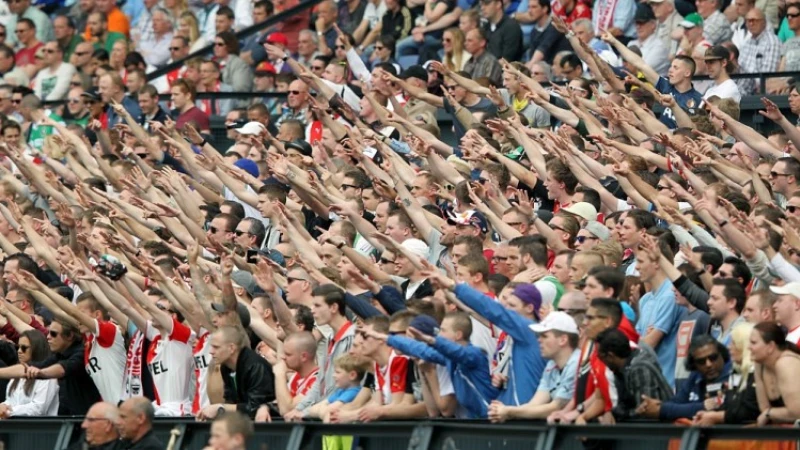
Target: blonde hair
column 740, row 337
column 352, row 363
column 453, row 60
column 194, row 30
column 611, row 251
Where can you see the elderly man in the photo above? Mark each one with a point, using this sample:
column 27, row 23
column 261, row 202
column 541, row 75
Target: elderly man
column 135, row 424
column 112, row 91
column 482, row 63
column 296, row 103
column 669, row 21
column 100, row 428
column 654, row 52
column 52, row 82
column 716, row 27
column 154, row 46
column 761, row 50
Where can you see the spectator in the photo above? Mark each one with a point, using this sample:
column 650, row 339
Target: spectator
column 52, row 83
column 570, row 11
column 654, row 53
column 99, row 32
column 224, row 20
column 327, row 16
column 117, row 21
column 39, row 27
column 231, row 431
column 77, row 113
column 183, row 98
column 786, row 312
column 616, row 18
column 718, row 67
column 773, row 369
column 504, row 33
column 248, row 379
column 100, row 427
column 154, row 46
column 482, row 63
column 31, row 397
column 397, row 22
column 739, row 27
column 350, row 15
column 135, row 424
column 307, row 45
column 210, row 83
column 546, row 40
column 760, row 50
column 455, row 56
column 759, row 307
column 716, row 27
column 142, row 31
column 252, row 51
column 113, row 91
column 66, row 35
column 669, row 22
column 725, row 302
column 299, row 357
column 296, row 104
column 82, row 57
column 235, row 72
column 188, row 28
column 29, row 45
column 710, row 366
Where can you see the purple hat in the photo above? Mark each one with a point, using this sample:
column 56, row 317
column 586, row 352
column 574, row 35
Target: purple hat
column 248, row 166
column 530, row 295
column 425, row 324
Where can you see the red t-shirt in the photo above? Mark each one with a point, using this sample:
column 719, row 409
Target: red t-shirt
column 26, row 56
column 193, row 115
column 580, row 11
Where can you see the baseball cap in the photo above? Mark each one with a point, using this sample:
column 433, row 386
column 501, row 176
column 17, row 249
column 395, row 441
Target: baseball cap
column 792, row 289
column 692, row 20
column 91, row 94
column 459, row 164
column 530, row 295
column 264, row 68
column 717, row 52
column 598, row 230
column 556, row 321
column 425, row 324
column 248, row 166
column 644, row 14
column 251, row 129
column 471, row 217
column 415, row 71
column 300, row 145
column 417, row 247
column 245, row 279
column 241, row 311
column 277, row 38
column 584, row 210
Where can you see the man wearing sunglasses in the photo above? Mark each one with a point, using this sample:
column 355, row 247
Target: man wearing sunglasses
column 21, row 9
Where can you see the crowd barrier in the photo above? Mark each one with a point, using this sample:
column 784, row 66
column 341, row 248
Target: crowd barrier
column 59, row 433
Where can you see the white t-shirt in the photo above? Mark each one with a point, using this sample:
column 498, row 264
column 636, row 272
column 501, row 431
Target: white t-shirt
column 202, row 359
column 105, row 359
column 728, row 89
column 170, row 361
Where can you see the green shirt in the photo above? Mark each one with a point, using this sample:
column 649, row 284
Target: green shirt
column 111, row 38
column 70, row 49
column 37, row 133
column 81, row 122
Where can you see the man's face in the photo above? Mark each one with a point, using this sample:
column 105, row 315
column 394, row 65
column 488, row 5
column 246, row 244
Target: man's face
column 755, row 22
column 179, row 98
column 61, row 28
column 708, row 362
column 577, row 268
column 714, row 68
column 107, row 89
column 97, row 428
column 296, row 286
column 82, row 55
column 19, row 6
column 11, row 267
column 549, row 344
column 742, row 7
column 105, row 6
column 630, row 236
column 593, row 289
column 717, row 303
column 219, row 231
column 223, row 23
column 220, row 350
column 147, row 103
column 134, row 82
column 306, row 46
column 647, row 267
column 511, row 82
column 55, row 338
column 298, row 95
column 327, row 12
column 489, row 8
column 381, row 216
column 96, row 25
column 396, row 230
column 779, row 178
column 660, row 10
column 321, row 311
column 594, row 322
column 560, row 268
column 677, row 72
column 161, row 25
column 473, row 42
column 785, row 308
column 11, row 136
column 221, row 439
column 25, row 33
column 753, row 312
column 645, row 29
column 208, row 74
column 243, row 238
column 536, row 11
column 177, row 49
column 6, row 62
column 259, row 14
column 706, row 7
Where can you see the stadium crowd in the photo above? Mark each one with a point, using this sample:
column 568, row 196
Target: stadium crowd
column 571, row 256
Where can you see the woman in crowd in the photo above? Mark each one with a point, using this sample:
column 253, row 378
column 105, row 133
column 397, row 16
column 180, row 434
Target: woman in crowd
column 31, row 397
column 455, row 56
column 187, row 27
column 777, row 363
column 176, row 9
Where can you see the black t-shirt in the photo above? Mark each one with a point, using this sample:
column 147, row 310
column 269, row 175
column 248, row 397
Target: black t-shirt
column 549, row 41
column 76, row 390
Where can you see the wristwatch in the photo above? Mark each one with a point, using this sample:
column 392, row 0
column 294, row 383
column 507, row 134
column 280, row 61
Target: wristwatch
column 580, row 408
column 220, row 411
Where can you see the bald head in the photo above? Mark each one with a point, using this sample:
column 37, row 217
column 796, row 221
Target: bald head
column 303, row 341
column 573, row 300
column 231, row 335
column 104, row 410
column 141, row 406
column 755, row 21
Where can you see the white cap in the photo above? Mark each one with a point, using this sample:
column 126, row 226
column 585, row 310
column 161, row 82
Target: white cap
column 252, row 128
column 417, row 247
column 582, row 209
column 556, row 321
column 792, row 289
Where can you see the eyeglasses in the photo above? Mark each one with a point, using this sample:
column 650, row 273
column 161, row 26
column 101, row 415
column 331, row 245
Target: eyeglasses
column 556, row 227
column 793, row 16
column 24, row 348
column 712, row 358
column 16, row 101
column 290, row 279
column 213, row 230
column 774, row 174
column 54, row 334
column 387, row 261
column 3, row 34
column 582, row 239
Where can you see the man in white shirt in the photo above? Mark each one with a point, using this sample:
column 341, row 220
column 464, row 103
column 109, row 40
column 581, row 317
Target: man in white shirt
column 52, row 82
column 718, row 66
column 654, row 53
column 154, row 47
column 786, row 309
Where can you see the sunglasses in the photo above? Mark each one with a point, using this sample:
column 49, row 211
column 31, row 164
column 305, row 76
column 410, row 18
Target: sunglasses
column 290, row 279
column 90, row 102
column 16, row 101
column 774, row 174
column 582, row 239
column 219, row 44
column 712, row 358
column 793, row 16
column 295, row 92
column 379, row 48
column 213, row 230
column 74, row 100
column 341, row 47
column 54, row 334
column 387, row 261
column 3, row 34
column 24, row 348
column 175, row 49
column 239, row 232
column 792, row 209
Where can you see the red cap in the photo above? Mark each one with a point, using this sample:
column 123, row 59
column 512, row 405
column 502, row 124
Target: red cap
column 264, row 68
column 278, row 38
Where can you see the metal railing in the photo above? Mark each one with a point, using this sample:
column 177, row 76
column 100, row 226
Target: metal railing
column 59, row 433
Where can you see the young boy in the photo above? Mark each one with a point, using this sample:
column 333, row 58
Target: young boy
column 347, row 374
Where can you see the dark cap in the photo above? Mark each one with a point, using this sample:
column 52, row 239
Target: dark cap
column 415, row 71
column 425, row 324
column 300, row 145
column 644, row 14
column 91, row 94
column 241, row 311
column 717, row 52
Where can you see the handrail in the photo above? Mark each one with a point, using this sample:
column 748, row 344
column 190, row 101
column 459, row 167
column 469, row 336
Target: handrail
column 256, row 27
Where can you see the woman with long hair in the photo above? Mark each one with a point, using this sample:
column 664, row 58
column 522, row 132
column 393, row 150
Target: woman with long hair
column 176, row 9
column 31, row 397
column 777, row 362
column 235, row 72
column 188, row 28
column 455, row 56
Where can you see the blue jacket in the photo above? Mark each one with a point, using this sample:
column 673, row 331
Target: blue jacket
column 526, row 365
column 389, row 297
column 689, row 399
column 467, row 366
